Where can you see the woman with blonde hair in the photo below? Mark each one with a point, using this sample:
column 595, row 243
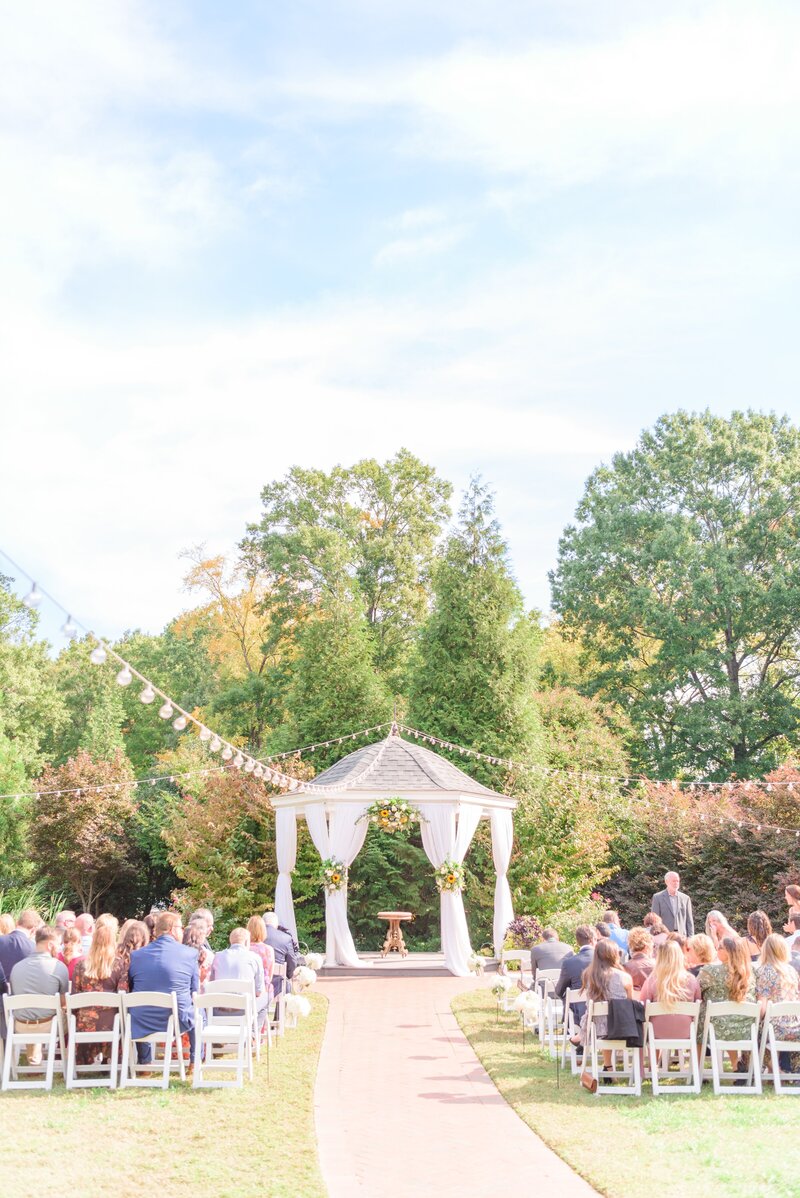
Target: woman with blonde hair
column 258, row 945
column 7, row 924
column 777, row 981
column 730, row 979
column 99, row 973
column 670, row 983
column 700, row 951
column 717, row 927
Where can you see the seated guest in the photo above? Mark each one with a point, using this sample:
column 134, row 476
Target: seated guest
column 777, row 981
column 195, row 937
column 729, row 979
column 65, row 920
column 548, row 953
column 149, row 922
column 618, row 934
column 656, row 927
column 641, row 962
column 164, row 965
column 603, row 931
column 39, row 973
column 258, row 945
column 239, row 964
column 85, row 925
column 17, row 945
column 758, row 928
column 107, row 921
column 792, row 926
column 7, row 924
column 71, row 950
column 205, row 917
column 574, row 966
column 670, row 983
column 717, row 927
column 133, row 935
column 603, row 981
column 283, row 946
column 700, row 951
column 99, row 972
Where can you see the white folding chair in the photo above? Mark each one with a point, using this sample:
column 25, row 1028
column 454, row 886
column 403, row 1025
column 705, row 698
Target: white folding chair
column 771, row 1042
column 523, row 956
column 222, row 1021
column 629, row 1071
column 247, row 987
column 732, row 1083
column 278, row 1020
column 131, row 1071
column 575, row 1052
column 545, row 983
column 77, row 1075
column 19, row 1034
column 660, row 1048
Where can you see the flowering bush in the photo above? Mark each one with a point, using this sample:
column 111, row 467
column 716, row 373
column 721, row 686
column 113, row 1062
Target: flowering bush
column 392, row 815
column 333, row 875
column 450, row 876
column 523, row 932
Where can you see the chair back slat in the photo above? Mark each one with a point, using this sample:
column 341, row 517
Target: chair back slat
column 149, row 998
column 93, row 999
column 653, row 1009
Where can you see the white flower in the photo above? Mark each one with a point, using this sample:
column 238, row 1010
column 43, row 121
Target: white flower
column 303, row 977
column 315, row 961
column 297, row 1004
column 502, row 984
column 528, row 1000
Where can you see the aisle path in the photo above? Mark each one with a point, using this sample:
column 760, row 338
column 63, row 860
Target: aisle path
column 394, row 1057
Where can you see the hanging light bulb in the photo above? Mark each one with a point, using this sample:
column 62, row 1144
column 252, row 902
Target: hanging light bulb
column 180, row 723
column 69, row 628
column 205, row 734
column 166, row 710
column 258, row 772
column 227, row 753
column 249, row 766
column 125, row 677
column 215, row 745
column 148, row 694
column 33, row 598
column 238, row 761
column 98, row 656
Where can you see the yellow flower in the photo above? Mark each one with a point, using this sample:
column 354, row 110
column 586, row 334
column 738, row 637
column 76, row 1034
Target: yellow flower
column 336, row 877
column 451, row 879
column 384, row 813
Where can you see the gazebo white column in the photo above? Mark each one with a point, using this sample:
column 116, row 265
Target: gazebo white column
column 444, row 839
column 286, row 853
column 341, row 836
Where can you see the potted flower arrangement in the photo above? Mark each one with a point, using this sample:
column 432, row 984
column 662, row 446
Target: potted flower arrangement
column 333, row 875
column 450, row 876
column 392, row 815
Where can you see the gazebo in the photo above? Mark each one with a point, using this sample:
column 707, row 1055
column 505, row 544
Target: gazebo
column 452, row 805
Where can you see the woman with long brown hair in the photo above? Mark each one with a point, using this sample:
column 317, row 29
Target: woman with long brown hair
column 133, row 934
column 730, row 979
column 97, row 972
column 603, row 980
column 759, row 928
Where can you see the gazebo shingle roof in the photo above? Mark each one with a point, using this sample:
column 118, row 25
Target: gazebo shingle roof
column 404, row 767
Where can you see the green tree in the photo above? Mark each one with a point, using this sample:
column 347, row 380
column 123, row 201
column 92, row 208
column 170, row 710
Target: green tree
column 475, row 671
column 369, row 530
column 681, row 577
column 94, row 704
column 31, row 709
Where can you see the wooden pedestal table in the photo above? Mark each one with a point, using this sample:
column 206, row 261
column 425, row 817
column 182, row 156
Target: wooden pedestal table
column 394, row 942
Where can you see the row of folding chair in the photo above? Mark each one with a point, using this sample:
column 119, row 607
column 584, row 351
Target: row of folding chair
column 226, row 1019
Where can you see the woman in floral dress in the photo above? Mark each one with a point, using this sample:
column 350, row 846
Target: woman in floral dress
column 97, row 972
column 778, row 981
column 730, row 979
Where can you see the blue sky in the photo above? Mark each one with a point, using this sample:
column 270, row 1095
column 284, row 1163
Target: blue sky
column 232, row 240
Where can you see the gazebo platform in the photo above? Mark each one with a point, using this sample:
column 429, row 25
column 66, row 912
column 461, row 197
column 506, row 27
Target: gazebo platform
column 415, row 965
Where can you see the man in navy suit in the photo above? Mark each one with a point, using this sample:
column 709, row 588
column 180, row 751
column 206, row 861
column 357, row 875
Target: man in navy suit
column 164, row 965
column 572, row 967
column 281, row 943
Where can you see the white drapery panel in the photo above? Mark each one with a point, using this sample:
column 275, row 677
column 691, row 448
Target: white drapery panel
column 341, row 838
column 286, row 853
column 502, row 840
column 443, row 839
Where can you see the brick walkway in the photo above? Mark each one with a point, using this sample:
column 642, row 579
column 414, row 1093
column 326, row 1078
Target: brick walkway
column 394, row 1057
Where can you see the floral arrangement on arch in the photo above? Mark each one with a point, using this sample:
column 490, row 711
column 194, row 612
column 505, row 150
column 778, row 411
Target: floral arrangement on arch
column 450, row 876
column 393, row 815
column 333, row 875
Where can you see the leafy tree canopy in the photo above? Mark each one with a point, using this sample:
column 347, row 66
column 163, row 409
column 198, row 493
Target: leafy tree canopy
column 681, row 577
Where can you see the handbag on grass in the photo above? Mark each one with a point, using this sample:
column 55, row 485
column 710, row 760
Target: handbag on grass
column 588, row 1081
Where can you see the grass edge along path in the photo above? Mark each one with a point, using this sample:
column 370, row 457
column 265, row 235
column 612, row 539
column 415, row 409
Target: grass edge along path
column 736, row 1147
column 237, row 1143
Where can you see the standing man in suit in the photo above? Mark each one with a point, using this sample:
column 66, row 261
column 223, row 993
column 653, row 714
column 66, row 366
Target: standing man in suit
column 673, row 906
column 164, row 965
column 549, row 953
column 283, row 946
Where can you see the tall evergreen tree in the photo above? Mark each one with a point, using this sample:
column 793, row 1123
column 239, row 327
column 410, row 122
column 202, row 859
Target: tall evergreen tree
column 476, row 666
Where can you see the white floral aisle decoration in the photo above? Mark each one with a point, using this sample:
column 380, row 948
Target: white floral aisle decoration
column 529, row 1004
column 475, row 964
column 302, row 978
column 393, row 815
column 333, row 875
column 315, row 961
column 297, row 1006
column 504, row 989
column 450, row 877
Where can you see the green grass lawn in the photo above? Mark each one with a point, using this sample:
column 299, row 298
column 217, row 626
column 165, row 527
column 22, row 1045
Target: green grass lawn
column 742, row 1146
column 259, row 1140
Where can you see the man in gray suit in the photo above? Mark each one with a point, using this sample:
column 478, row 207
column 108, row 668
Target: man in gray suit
column 674, row 907
column 549, row 953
